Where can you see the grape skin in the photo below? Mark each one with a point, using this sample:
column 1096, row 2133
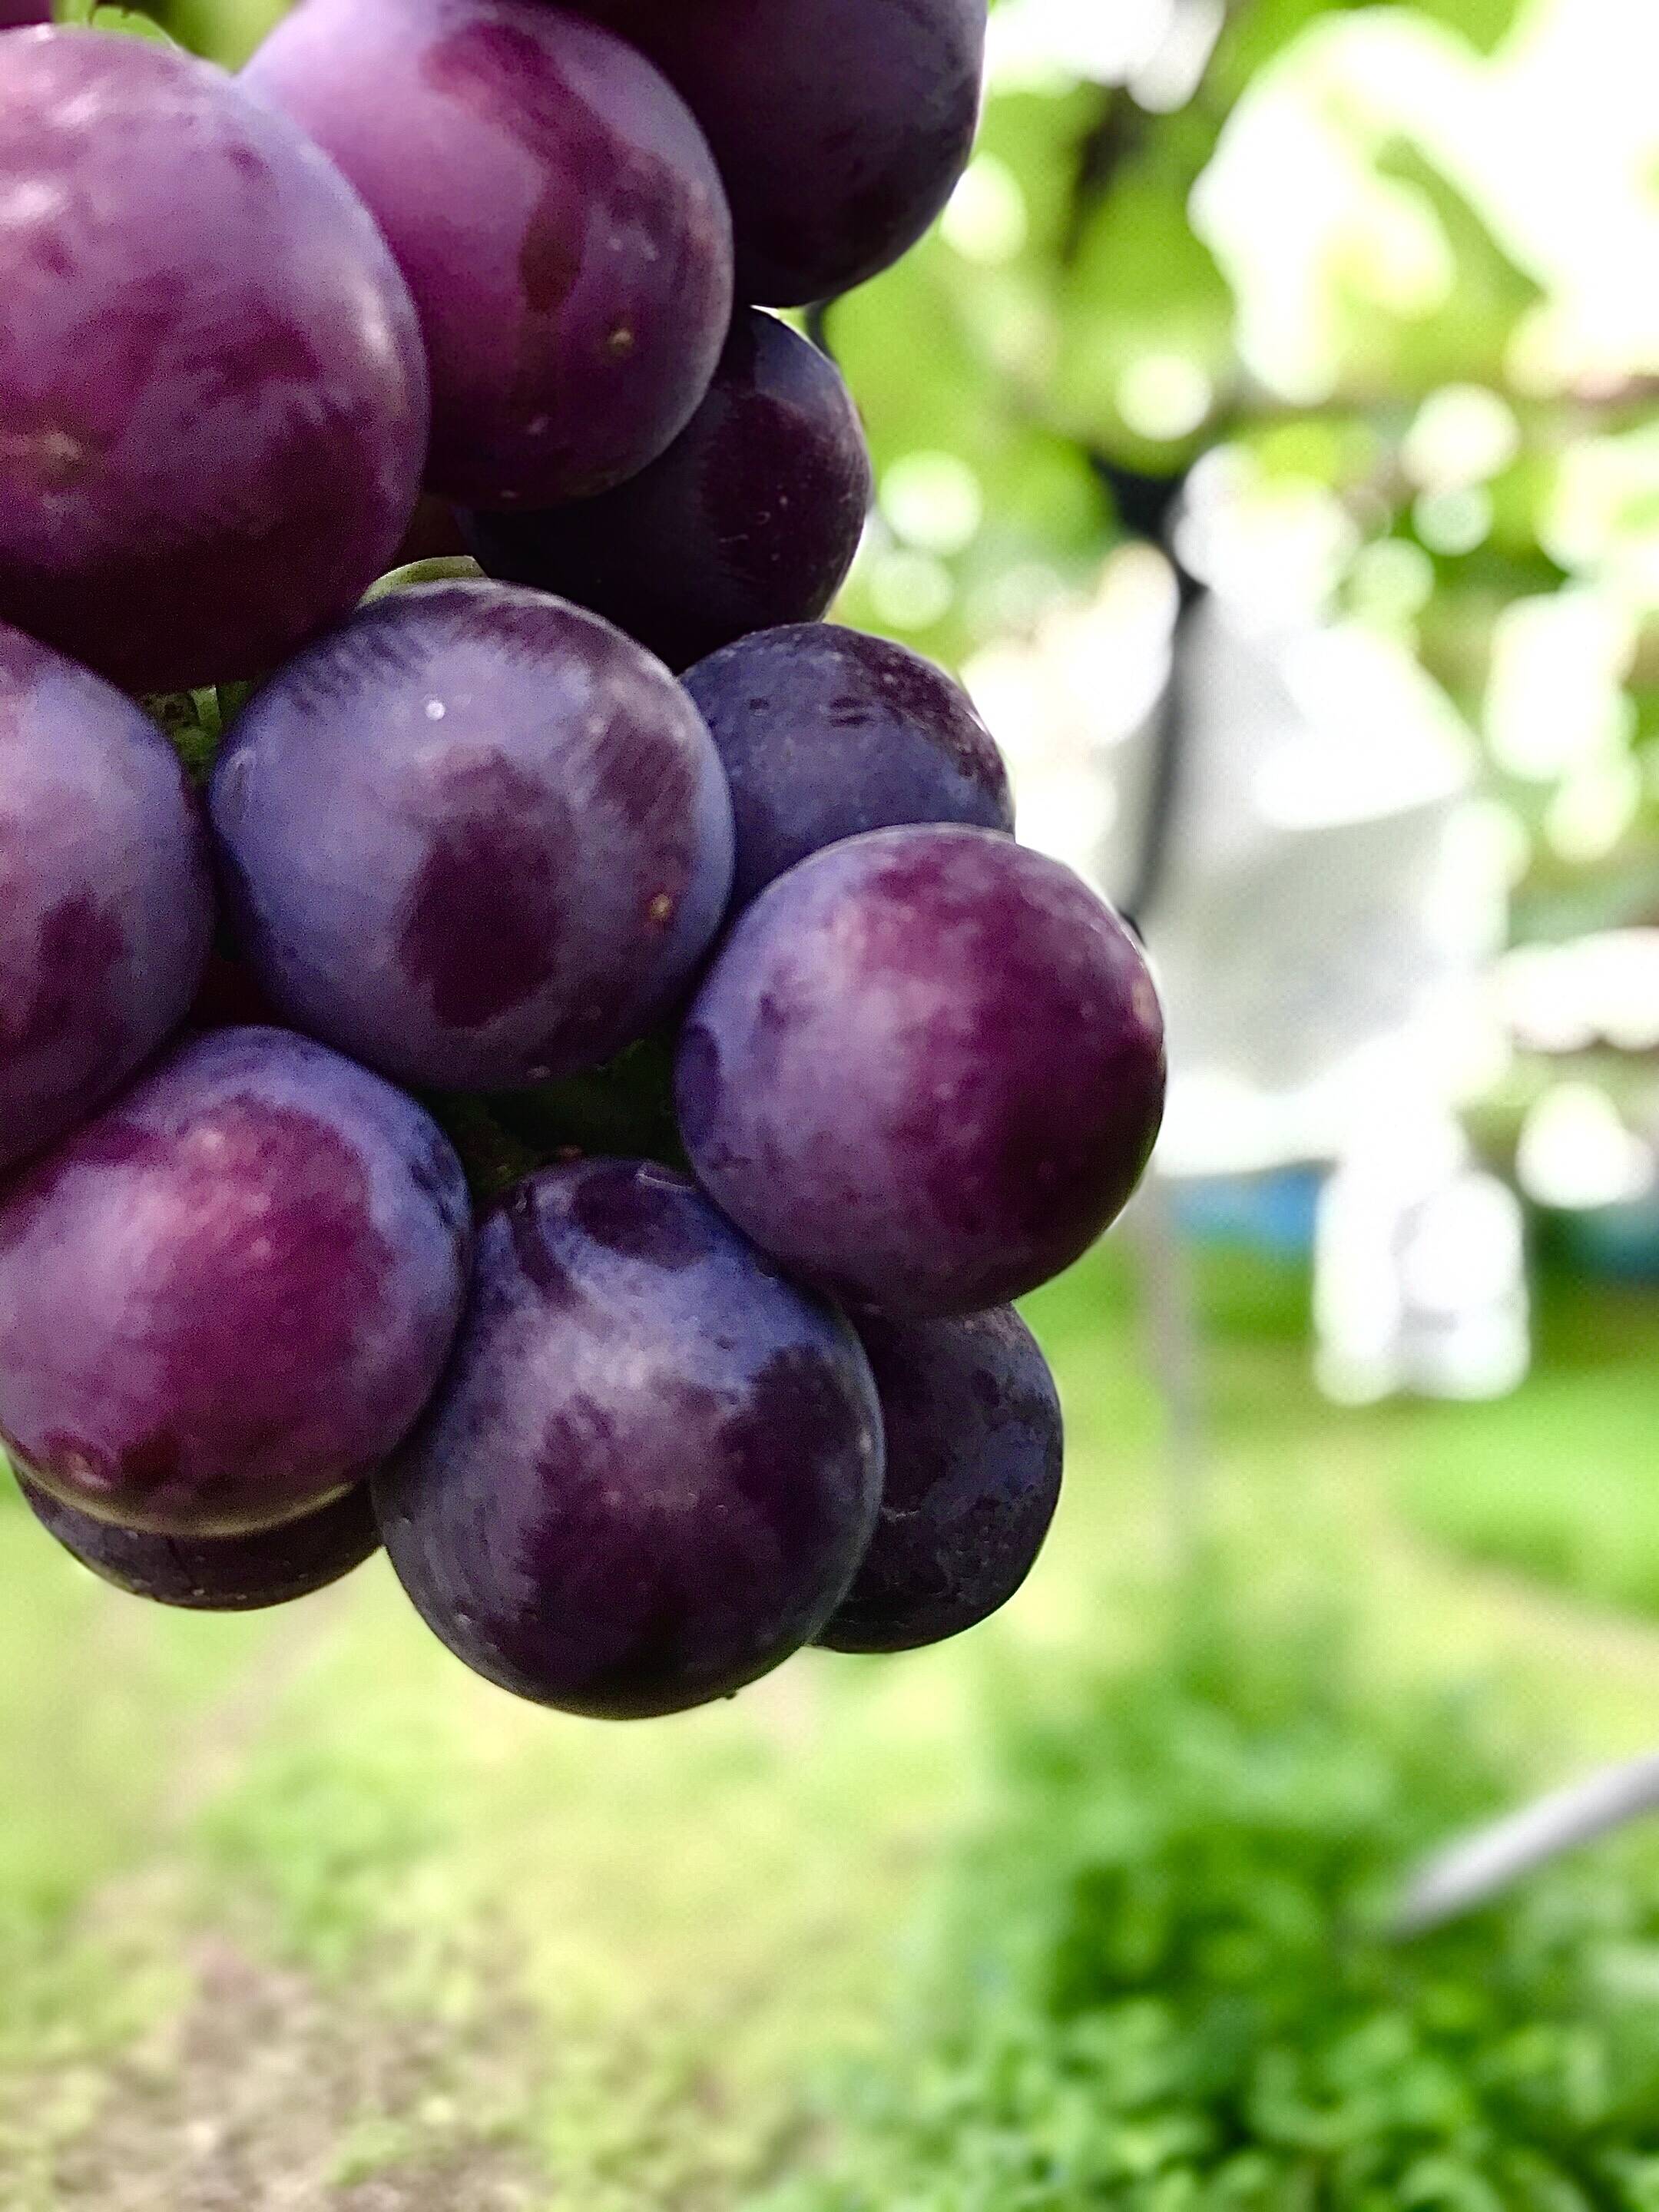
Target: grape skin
column 218, row 1574
column 224, row 1300
column 841, row 126
column 653, row 1465
column 556, row 211
column 213, row 399
column 106, row 899
column 825, row 733
column 749, row 519
column 925, row 1072
column 975, row 1448
column 476, row 839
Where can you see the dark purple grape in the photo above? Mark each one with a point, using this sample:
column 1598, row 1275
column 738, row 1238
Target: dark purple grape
column 213, row 400
column 974, row 1447
column 841, row 126
column 476, row 839
column 558, row 216
column 105, row 904
column 653, row 1465
column 925, row 1072
column 226, row 1299
column 19, row 14
column 750, row 519
column 219, row 1574
column 825, row 733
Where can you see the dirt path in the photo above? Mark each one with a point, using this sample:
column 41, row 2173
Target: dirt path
column 265, row 2094
column 261, row 2090
column 255, row 2101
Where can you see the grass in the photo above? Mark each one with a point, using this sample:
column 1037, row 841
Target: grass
column 1561, row 1481
column 1162, row 1983
column 514, row 1960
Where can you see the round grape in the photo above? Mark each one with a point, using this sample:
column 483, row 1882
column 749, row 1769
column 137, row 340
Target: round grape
column 750, row 519
column 223, row 1301
column 925, row 1072
column 825, row 733
column 213, row 399
column 476, row 839
column 558, row 216
column 841, row 126
column 106, row 902
column 974, row 1447
column 219, row 1574
column 653, row 1465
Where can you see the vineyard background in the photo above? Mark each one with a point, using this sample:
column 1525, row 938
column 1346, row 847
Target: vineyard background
column 1342, row 320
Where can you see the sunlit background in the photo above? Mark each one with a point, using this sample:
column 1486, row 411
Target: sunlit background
column 1364, row 287
column 1268, row 435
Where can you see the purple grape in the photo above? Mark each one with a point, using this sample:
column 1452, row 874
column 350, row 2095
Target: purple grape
column 975, row 1446
column 653, row 1465
column 476, row 839
column 841, row 126
column 106, row 905
column 213, row 402
column 751, row 517
column 826, row 732
column 558, row 216
column 219, row 1574
column 20, row 14
column 926, row 1071
column 226, row 1299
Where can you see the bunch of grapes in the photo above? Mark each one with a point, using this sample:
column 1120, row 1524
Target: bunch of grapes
column 559, row 1070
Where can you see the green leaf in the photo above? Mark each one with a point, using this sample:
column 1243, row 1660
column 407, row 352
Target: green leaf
column 94, row 15
column 493, row 1157
column 1039, row 136
column 1467, row 338
column 1259, row 34
column 1484, row 23
column 1142, row 287
column 192, row 725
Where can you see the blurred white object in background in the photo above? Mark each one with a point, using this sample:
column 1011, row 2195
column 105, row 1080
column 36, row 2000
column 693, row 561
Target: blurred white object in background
column 1327, row 908
column 1599, row 989
column 1420, row 1274
column 1075, row 709
column 1327, row 911
column 1576, row 1154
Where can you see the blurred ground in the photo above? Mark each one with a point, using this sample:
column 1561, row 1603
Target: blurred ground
column 294, row 1914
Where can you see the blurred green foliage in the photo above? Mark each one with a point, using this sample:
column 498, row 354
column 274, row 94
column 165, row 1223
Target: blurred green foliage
column 1315, row 253
column 1168, row 1987
column 1076, row 254
column 1056, row 1895
column 1557, row 1482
